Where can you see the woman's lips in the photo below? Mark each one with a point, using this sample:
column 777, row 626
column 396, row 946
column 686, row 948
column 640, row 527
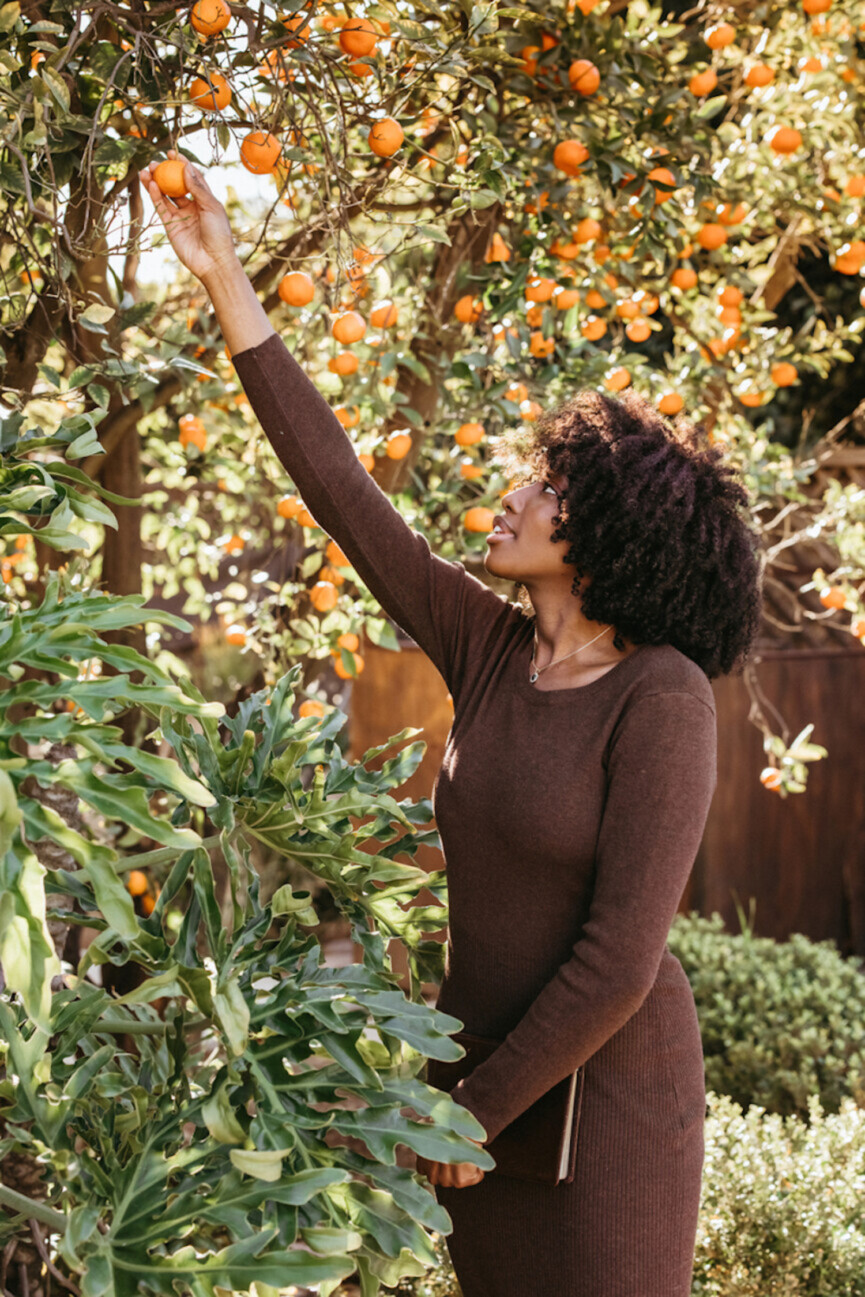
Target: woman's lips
column 499, row 535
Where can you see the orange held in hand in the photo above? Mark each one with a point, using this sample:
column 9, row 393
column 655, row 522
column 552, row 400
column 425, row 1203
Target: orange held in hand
column 169, row 178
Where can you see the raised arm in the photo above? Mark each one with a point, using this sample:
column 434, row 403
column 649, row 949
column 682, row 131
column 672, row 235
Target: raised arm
column 450, row 613
column 443, row 607
column 661, row 777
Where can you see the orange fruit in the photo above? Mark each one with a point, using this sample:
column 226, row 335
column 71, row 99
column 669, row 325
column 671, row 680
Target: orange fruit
column 540, row 290
column 833, row 596
column 305, row 518
column 478, row 518
column 540, row 346
column 759, row 74
column 213, row 97
column 670, row 403
column 855, row 186
column 296, row 288
column 196, row 434
column 569, row 297
column 568, row 156
column 358, row 37
column 584, row 77
column 784, row 374
column 345, row 362
column 348, row 640
column 385, row 137
column 345, row 416
column 324, row 596
column 347, row 675
column 288, row 506
column 137, row 882
column 334, row 555
column 638, row 330
column 531, row 411
column 235, row 635
column 260, row 152
column 684, row 277
column 468, row 434
column 593, row 328
column 729, row 215
column 857, row 626
column 383, row 315
column 667, row 178
column 398, row 444
column 517, row 393
column 535, row 317
column 311, row 707
column 730, row 295
column 498, row 250
column 617, row 380
column 468, row 309
column 770, row 777
column 784, row 139
column 587, row 229
column 348, row 327
column 299, row 27
column 148, row 904
column 368, row 461
column 702, row 83
column 209, row 17
column 816, row 6
column 470, row 470
column 719, row 36
column 711, row 236
column 530, row 63
column 169, row 178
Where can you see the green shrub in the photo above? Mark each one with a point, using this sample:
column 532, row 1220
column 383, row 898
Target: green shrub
column 783, row 1207
column 780, row 1020
column 782, row 1212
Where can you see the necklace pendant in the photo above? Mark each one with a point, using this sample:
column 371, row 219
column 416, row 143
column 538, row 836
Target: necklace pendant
column 533, row 677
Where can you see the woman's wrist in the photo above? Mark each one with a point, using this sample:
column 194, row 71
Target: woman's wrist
column 241, row 317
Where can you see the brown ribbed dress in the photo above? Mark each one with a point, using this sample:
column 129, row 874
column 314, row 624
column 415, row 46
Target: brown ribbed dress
column 569, row 819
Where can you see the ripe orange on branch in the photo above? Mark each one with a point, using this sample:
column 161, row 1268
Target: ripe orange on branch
column 479, row 518
column 348, row 327
column 324, row 596
column 209, row 17
column 385, row 137
column 296, row 288
column 398, row 444
column 358, row 37
column 468, row 309
column 584, row 77
column 468, row 434
column 784, row 139
column 569, row 155
column 383, row 315
column 259, row 152
column 213, row 97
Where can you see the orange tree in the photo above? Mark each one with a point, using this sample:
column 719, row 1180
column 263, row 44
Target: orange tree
column 473, row 209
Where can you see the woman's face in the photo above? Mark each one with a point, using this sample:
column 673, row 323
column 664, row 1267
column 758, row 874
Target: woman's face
column 520, row 549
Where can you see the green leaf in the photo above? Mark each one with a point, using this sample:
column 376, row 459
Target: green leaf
column 57, row 86
column 433, row 233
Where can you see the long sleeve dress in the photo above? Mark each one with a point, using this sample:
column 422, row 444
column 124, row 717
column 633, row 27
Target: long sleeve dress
column 569, row 820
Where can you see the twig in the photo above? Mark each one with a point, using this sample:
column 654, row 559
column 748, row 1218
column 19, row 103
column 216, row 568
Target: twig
column 43, row 1252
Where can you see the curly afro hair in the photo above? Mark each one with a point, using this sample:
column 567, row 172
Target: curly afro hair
column 657, row 520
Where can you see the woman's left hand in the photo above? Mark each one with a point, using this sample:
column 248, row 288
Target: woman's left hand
column 451, row 1175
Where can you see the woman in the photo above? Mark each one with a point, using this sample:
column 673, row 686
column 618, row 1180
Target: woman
column 574, row 788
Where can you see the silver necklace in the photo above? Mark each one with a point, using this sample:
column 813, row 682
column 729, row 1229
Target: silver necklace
column 537, row 671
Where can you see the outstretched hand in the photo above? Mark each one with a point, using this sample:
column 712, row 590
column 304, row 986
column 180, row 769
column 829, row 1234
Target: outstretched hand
column 197, row 226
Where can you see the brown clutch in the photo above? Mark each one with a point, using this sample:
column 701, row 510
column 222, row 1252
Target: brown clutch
column 539, row 1144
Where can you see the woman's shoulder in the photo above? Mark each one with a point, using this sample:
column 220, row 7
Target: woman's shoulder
column 665, row 669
